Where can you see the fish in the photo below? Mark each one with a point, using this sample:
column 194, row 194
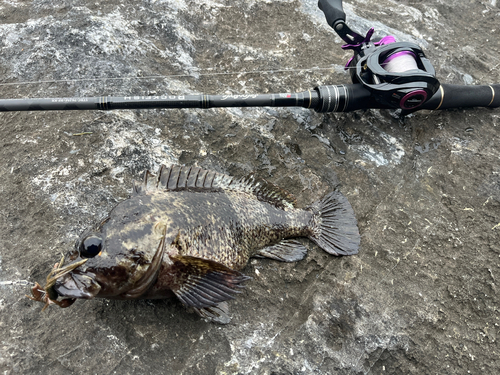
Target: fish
column 188, row 232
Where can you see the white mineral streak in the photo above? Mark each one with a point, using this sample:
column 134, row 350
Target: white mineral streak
column 104, row 35
column 118, row 143
column 390, row 154
column 258, row 343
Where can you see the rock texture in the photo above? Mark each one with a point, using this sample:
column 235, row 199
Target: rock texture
column 421, row 296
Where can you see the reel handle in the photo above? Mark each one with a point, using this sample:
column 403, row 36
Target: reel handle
column 333, row 11
column 335, row 17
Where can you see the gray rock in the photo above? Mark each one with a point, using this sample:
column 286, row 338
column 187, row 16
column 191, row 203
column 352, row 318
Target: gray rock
column 419, row 298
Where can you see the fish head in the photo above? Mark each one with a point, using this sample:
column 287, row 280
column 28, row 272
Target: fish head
column 118, row 259
column 80, row 282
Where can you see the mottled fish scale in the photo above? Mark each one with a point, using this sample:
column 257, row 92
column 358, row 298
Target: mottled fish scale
column 229, row 227
column 188, row 232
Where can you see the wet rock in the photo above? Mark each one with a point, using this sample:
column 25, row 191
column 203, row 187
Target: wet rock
column 419, row 298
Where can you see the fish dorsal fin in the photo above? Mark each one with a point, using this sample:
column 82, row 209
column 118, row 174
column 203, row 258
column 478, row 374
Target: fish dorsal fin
column 177, row 177
column 266, row 191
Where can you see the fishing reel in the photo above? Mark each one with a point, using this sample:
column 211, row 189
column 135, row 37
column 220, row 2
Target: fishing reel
column 397, row 74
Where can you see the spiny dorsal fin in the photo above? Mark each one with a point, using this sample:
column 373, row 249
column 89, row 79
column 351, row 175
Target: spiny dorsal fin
column 177, row 177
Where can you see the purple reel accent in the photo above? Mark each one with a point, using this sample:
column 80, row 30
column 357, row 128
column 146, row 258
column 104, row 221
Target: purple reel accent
column 398, row 54
column 409, row 96
column 357, row 45
column 385, row 40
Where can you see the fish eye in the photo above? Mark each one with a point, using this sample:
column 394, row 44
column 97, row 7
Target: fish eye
column 90, row 246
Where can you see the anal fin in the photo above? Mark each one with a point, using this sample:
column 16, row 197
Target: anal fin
column 202, row 283
column 285, row 251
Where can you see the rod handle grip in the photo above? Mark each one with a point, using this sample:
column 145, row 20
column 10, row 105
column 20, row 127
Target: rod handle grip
column 455, row 96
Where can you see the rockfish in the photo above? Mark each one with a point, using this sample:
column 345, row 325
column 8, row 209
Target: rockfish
column 188, row 232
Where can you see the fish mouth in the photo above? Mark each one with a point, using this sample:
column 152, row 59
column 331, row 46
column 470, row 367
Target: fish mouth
column 77, row 285
column 66, row 282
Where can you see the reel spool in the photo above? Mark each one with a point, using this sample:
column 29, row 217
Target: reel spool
column 397, row 73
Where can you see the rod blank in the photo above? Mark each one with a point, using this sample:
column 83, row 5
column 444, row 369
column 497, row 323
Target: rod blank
column 306, row 99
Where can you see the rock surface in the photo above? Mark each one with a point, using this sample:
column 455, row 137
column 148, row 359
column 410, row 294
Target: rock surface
column 421, row 296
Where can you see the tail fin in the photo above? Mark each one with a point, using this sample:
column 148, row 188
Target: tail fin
column 334, row 225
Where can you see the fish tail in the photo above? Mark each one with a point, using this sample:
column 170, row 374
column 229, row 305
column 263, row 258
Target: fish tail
column 334, row 225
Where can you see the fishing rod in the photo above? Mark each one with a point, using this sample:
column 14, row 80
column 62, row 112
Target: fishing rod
column 385, row 74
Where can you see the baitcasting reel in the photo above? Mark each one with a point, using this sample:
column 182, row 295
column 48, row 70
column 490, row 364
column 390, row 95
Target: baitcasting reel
column 397, row 74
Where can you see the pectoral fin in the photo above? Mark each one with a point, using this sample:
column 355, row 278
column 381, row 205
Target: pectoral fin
column 202, row 283
column 217, row 314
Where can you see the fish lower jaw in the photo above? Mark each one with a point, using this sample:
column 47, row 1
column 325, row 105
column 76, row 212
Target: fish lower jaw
column 79, row 286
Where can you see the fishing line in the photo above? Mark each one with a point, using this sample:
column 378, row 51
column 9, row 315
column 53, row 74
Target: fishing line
column 281, row 71
column 388, row 67
column 400, row 63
